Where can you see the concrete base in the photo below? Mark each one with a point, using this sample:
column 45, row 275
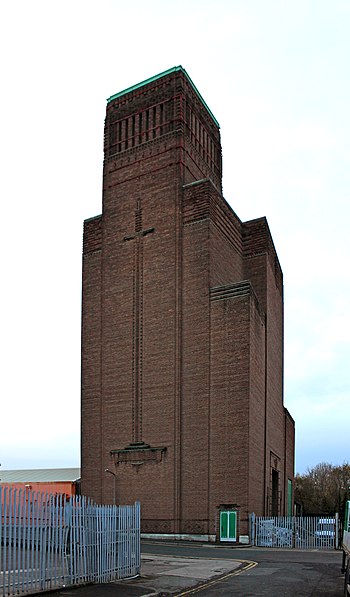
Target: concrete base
column 244, row 539
column 179, row 537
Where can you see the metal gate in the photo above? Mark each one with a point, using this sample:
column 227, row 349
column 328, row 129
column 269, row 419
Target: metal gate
column 47, row 542
column 295, row 532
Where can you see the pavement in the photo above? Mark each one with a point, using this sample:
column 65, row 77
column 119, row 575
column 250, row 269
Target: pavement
column 161, row 576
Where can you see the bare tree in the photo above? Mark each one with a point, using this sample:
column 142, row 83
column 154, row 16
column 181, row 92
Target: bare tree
column 323, row 489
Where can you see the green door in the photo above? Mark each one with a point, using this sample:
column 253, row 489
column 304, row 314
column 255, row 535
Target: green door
column 228, row 526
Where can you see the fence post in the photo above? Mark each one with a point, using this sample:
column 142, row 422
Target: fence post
column 336, row 535
column 293, row 532
column 252, row 529
column 138, row 536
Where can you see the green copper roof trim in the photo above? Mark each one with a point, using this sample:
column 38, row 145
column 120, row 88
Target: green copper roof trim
column 159, row 76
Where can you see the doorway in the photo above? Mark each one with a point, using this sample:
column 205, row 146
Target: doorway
column 228, row 525
column 274, row 496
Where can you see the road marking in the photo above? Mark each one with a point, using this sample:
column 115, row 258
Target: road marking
column 246, row 566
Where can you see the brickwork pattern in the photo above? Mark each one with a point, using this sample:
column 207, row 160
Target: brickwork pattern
column 182, row 326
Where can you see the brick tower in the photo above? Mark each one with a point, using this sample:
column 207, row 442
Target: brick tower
column 182, row 327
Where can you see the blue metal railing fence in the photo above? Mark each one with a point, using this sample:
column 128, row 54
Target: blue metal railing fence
column 48, row 541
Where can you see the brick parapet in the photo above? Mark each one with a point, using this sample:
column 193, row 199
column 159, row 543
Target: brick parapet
column 174, row 114
column 92, row 239
column 257, row 240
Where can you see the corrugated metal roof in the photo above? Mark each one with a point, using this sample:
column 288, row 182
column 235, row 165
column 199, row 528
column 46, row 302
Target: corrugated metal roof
column 44, row 475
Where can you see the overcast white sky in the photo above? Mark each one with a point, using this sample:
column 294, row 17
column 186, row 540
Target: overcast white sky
column 276, row 75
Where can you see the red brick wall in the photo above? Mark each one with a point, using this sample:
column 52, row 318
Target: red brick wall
column 176, row 151
column 91, row 407
column 229, row 401
column 263, row 269
column 226, row 264
column 199, row 329
column 257, row 447
column 274, row 371
column 195, row 378
column 290, row 452
column 160, row 313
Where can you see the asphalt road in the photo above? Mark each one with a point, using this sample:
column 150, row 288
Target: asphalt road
column 277, row 572
column 264, row 572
